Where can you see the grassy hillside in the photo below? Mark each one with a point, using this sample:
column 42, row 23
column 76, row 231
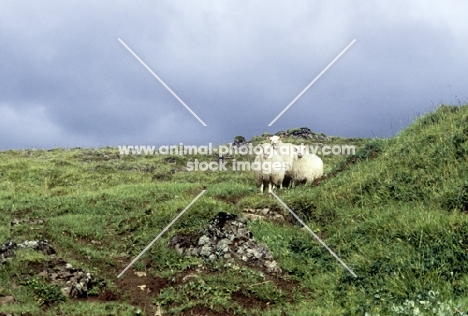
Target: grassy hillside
column 395, row 212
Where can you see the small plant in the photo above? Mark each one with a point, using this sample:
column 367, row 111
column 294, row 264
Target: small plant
column 428, row 305
column 44, row 293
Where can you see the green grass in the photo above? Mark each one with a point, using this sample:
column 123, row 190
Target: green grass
column 395, row 212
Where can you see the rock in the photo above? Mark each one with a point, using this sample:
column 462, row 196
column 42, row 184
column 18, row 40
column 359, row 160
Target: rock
column 223, row 245
column 227, row 237
column 272, row 266
column 203, row 240
column 206, row 250
column 7, row 250
column 239, row 141
column 44, row 246
column 65, row 291
column 179, row 249
column 15, row 222
column 255, row 252
column 278, row 218
column 194, row 252
column 29, row 244
column 242, row 220
column 262, row 214
column 253, row 217
column 6, row 299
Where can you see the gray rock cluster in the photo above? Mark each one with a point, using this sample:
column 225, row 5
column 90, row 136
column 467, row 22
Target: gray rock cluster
column 30, row 221
column 239, row 141
column 303, row 133
column 74, row 282
column 7, row 250
column 227, row 237
column 38, row 245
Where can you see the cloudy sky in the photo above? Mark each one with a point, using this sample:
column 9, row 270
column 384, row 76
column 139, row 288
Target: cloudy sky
column 67, row 81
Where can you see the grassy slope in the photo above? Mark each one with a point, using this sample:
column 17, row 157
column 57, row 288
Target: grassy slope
column 398, row 220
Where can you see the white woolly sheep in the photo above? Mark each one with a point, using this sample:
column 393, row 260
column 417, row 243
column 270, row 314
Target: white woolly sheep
column 286, row 151
column 269, row 168
column 306, row 167
column 274, row 140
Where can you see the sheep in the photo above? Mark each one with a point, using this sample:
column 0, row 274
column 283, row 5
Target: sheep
column 269, row 168
column 306, row 167
column 286, row 151
column 274, row 140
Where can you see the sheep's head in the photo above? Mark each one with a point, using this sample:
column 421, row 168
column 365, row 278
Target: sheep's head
column 274, row 140
column 267, row 150
column 300, row 150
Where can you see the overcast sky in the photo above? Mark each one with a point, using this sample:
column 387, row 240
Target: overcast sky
column 66, row 80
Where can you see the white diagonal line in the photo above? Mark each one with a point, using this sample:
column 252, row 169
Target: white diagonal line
column 313, row 81
column 315, row 236
column 162, row 82
column 160, row 234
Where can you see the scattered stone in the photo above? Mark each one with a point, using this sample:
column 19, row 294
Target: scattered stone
column 278, row 218
column 205, row 250
column 6, row 299
column 253, row 217
column 15, row 222
column 30, row 221
column 263, row 214
column 303, row 133
column 65, row 291
column 7, row 250
column 271, row 266
column 39, row 245
column 74, row 282
column 178, row 249
column 239, row 141
column 227, row 237
column 203, row 240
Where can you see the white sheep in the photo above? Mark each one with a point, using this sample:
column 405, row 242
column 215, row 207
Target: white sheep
column 286, row 151
column 274, row 140
column 306, row 167
column 269, row 168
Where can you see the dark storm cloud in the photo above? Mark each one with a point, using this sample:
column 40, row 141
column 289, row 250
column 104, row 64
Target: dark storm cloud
column 65, row 80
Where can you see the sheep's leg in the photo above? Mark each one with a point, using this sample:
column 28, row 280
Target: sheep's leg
column 269, row 188
column 261, row 188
